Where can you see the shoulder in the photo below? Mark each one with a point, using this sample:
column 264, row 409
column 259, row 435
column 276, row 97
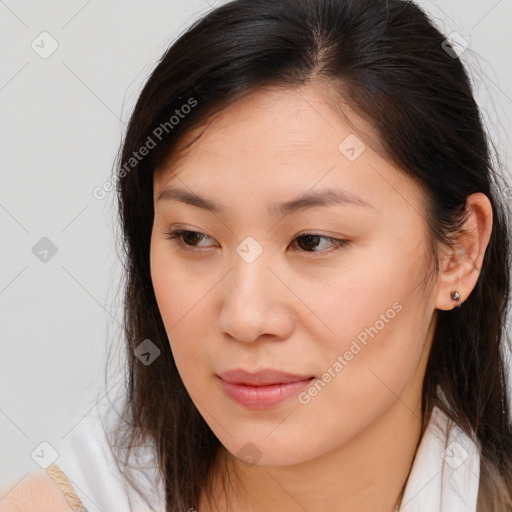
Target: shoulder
column 36, row 492
column 104, row 475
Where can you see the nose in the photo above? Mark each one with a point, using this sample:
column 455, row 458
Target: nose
column 255, row 301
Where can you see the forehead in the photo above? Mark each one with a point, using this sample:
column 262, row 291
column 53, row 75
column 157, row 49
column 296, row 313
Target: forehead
column 276, row 142
column 268, row 121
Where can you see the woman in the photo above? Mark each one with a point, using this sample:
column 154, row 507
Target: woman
column 317, row 274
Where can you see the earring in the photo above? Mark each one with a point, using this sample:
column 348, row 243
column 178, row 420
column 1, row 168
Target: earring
column 455, row 295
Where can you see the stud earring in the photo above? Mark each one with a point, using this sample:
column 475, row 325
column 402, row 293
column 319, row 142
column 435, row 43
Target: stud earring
column 455, row 295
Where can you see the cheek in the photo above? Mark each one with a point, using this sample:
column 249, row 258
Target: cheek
column 180, row 305
column 373, row 353
column 364, row 371
column 378, row 321
column 365, row 301
column 178, row 290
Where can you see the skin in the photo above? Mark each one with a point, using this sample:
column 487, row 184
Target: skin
column 37, row 491
column 352, row 445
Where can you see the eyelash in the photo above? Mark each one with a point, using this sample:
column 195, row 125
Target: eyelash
column 176, row 234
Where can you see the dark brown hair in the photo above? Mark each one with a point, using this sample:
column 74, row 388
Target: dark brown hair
column 389, row 63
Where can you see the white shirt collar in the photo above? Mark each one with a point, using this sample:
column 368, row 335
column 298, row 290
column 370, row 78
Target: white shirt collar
column 446, row 470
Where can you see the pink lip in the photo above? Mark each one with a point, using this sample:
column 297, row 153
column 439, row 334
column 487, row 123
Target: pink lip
column 262, row 389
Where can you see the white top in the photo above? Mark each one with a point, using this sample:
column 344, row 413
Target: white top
column 444, row 476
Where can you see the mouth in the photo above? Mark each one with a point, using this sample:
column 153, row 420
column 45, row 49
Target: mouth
column 262, row 389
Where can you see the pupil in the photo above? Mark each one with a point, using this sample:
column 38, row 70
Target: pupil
column 193, row 235
column 309, row 239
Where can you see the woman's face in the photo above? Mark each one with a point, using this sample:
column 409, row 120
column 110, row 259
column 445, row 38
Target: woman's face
column 348, row 323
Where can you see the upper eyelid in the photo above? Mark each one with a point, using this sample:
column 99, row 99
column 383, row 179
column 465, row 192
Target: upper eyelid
column 180, row 231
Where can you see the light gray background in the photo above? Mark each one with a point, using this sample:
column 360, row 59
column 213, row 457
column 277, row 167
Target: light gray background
column 61, row 123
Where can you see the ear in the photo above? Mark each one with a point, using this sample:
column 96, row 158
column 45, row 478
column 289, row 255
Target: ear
column 459, row 265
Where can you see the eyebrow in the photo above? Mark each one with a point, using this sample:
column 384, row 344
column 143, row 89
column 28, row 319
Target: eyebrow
column 326, row 197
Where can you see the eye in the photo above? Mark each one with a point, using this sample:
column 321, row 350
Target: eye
column 311, row 239
column 188, row 239
column 182, row 234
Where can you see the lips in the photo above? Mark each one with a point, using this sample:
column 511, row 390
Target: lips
column 261, row 378
column 263, row 389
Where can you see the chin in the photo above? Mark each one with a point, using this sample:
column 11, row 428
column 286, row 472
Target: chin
column 269, row 452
